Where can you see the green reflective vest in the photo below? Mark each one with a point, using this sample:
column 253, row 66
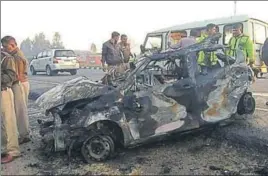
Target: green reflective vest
column 208, row 58
column 244, row 43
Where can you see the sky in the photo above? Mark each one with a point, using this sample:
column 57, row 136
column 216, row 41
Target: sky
column 82, row 22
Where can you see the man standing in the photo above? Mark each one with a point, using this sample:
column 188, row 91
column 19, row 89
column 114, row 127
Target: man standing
column 20, row 92
column 186, row 41
column 111, row 55
column 207, row 59
column 125, row 48
column 111, row 52
column 9, row 126
column 192, row 58
column 241, row 41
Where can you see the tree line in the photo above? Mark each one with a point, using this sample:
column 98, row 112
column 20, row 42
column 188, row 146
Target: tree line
column 40, row 43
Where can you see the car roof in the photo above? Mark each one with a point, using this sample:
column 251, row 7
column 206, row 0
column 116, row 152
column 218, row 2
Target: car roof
column 200, row 24
column 60, row 49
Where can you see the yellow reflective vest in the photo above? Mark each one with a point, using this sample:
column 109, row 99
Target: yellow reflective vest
column 244, row 43
column 201, row 55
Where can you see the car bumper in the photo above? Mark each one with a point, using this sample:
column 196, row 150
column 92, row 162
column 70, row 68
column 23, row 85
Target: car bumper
column 64, row 67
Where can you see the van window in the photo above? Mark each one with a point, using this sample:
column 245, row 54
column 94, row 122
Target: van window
column 228, row 33
column 202, row 31
column 154, row 42
column 40, row 55
column 44, row 54
column 49, row 53
column 64, row 53
column 199, row 31
column 175, row 36
column 260, row 34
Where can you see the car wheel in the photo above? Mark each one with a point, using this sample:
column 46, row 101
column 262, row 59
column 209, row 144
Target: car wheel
column 33, row 72
column 98, row 147
column 73, row 72
column 246, row 104
column 49, row 71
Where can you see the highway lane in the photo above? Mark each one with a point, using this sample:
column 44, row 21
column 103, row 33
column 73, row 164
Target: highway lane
column 41, row 83
column 41, row 80
column 62, row 77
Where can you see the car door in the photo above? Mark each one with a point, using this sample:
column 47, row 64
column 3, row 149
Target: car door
column 49, row 58
column 158, row 114
column 37, row 62
column 43, row 61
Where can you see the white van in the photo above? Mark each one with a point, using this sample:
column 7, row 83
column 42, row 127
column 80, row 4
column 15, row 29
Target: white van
column 53, row 61
column 256, row 29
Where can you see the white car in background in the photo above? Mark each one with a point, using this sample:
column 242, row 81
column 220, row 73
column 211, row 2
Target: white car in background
column 53, row 61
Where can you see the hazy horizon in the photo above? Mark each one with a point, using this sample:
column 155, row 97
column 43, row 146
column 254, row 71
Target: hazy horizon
column 81, row 23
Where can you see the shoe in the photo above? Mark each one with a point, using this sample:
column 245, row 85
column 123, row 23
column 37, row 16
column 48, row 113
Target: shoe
column 7, row 158
column 24, row 140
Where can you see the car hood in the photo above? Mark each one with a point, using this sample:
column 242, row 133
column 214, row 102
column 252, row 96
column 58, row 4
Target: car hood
column 72, row 90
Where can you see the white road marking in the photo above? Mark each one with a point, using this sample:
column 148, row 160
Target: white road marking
column 260, row 94
column 44, row 82
column 262, row 109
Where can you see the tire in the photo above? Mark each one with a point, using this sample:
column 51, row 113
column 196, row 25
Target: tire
column 246, row 105
column 73, row 72
column 33, row 72
column 105, row 149
column 49, row 72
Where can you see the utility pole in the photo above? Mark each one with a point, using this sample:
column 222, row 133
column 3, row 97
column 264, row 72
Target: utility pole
column 235, row 8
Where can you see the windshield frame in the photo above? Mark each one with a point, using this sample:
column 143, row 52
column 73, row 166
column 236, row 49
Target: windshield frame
column 154, row 35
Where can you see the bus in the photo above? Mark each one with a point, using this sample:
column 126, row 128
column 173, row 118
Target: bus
column 256, row 29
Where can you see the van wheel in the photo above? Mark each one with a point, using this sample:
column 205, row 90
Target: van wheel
column 73, row 72
column 33, row 72
column 99, row 146
column 49, row 71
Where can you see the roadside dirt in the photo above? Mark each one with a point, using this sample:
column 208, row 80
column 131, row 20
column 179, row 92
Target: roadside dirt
column 240, row 148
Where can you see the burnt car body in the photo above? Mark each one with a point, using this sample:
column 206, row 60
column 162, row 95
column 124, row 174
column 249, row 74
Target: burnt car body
column 159, row 97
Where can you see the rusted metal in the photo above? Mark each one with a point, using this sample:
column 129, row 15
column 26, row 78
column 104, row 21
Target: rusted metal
column 137, row 106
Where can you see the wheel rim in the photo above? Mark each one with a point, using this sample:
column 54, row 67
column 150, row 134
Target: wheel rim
column 32, row 70
column 48, row 71
column 97, row 148
column 249, row 104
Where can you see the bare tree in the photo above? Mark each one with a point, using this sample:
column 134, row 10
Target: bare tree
column 56, row 41
column 93, row 48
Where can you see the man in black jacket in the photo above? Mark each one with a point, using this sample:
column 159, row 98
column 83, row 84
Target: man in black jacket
column 111, row 54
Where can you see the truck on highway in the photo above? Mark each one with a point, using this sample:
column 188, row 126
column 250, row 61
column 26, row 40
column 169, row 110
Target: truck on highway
column 87, row 59
column 256, row 29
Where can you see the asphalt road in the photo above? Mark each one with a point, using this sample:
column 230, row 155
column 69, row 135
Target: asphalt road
column 237, row 149
column 62, row 77
column 41, row 83
column 240, row 148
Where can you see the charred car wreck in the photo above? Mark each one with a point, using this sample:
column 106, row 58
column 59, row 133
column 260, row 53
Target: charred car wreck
column 163, row 94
